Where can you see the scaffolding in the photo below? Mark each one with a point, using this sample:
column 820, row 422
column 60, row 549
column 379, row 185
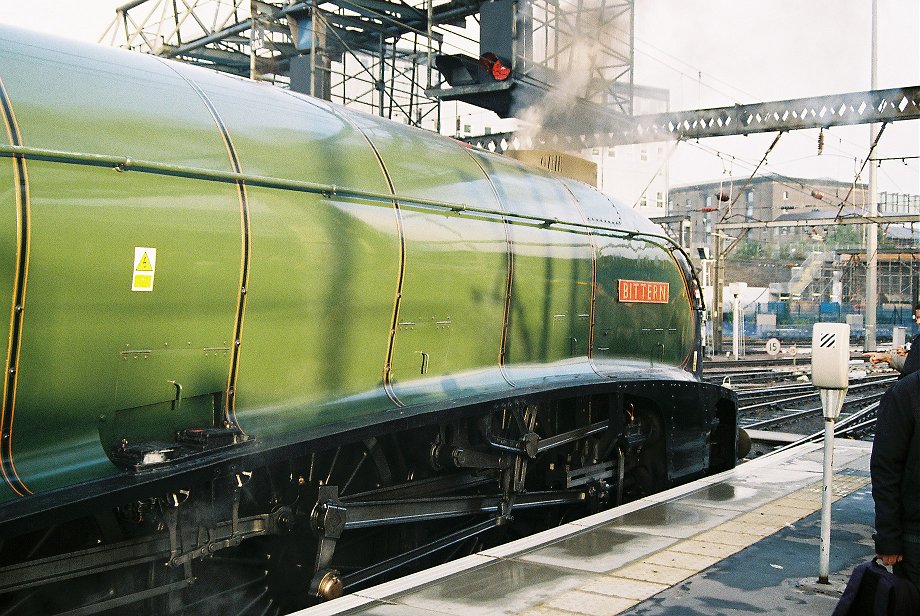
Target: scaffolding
column 898, row 279
column 585, row 47
column 378, row 55
column 372, row 55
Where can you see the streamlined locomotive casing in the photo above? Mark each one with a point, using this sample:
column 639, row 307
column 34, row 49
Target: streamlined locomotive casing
column 187, row 250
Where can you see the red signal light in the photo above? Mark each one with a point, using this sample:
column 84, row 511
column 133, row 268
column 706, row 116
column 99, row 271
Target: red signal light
column 709, row 209
column 492, row 65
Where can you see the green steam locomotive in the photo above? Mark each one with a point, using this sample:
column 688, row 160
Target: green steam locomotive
column 261, row 349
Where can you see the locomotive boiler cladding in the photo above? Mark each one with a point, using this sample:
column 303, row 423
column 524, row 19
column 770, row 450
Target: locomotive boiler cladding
column 263, row 349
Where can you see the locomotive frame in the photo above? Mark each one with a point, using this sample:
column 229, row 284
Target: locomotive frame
column 296, row 504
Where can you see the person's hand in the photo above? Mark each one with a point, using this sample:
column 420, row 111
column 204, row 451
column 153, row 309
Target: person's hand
column 901, row 351
column 890, row 559
column 877, row 358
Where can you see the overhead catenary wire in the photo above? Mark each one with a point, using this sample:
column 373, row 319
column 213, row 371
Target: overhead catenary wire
column 751, row 177
column 699, row 79
column 795, row 184
column 657, row 171
column 699, row 76
column 792, row 182
column 900, row 158
column 731, row 205
column 859, row 173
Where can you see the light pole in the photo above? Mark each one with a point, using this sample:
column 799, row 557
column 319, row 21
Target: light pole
column 872, row 229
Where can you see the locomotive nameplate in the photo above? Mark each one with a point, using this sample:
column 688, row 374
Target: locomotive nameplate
column 643, row 291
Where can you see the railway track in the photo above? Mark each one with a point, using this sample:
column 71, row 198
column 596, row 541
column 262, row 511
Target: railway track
column 777, row 409
column 860, row 424
column 783, row 400
column 741, row 377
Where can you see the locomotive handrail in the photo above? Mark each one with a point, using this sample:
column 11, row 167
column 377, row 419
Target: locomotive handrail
column 124, row 163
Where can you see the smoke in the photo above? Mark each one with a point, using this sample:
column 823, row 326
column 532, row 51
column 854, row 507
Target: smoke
column 584, row 58
column 562, row 96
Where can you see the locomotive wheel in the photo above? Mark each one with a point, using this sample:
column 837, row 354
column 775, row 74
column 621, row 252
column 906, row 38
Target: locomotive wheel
column 272, row 575
column 649, row 474
column 59, row 539
column 267, row 575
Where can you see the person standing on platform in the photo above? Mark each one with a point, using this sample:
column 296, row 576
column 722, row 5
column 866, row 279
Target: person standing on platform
column 900, row 359
column 895, row 470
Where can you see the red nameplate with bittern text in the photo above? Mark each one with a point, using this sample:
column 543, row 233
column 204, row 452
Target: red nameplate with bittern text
column 643, row 291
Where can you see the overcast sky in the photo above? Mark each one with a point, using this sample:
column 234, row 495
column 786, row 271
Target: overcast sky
column 711, row 53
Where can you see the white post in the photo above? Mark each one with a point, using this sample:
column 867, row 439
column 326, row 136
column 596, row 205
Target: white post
column 736, row 289
column 827, row 498
column 830, row 355
column 831, row 401
column 736, row 328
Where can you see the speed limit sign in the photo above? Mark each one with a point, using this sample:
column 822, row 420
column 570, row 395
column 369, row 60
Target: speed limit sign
column 773, row 347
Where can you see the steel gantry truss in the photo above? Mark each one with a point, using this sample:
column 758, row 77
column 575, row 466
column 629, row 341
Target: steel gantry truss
column 875, row 106
column 578, row 51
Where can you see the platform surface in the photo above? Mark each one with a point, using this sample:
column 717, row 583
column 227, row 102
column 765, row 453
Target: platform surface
column 742, row 542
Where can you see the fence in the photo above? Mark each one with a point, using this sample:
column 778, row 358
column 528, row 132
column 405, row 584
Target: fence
column 794, row 320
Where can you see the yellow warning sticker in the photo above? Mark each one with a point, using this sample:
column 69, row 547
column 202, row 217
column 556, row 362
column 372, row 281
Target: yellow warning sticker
column 145, row 264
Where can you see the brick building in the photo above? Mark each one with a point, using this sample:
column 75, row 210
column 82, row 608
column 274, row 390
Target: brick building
column 765, row 198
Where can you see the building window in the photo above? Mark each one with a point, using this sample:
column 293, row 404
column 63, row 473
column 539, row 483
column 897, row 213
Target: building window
column 643, row 202
column 688, row 201
column 750, row 196
column 750, row 210
column 596, row 152
column 612, row 152
column 785, row 195
column 659, row 200
column 467, row 128
column 488, row 130
column 708, row 200
column 643, row 154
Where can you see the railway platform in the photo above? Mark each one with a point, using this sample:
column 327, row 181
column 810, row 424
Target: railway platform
column 742, row 542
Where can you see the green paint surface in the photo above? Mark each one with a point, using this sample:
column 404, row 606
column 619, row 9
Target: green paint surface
column 91, row 347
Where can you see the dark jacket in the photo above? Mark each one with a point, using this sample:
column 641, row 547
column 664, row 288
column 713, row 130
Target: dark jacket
column 912, row 361
column 895, row 466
